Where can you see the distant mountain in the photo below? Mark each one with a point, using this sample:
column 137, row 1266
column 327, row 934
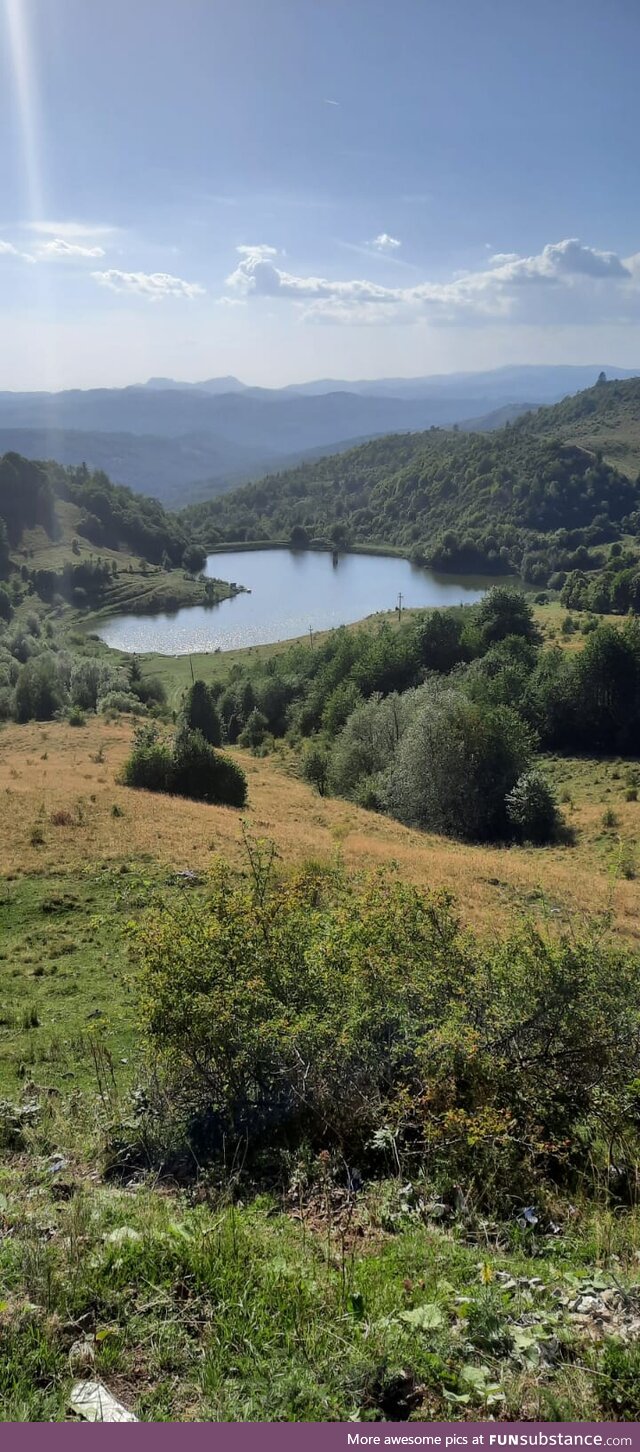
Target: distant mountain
column 185, row 441
column 210, row 385
column 168, row 469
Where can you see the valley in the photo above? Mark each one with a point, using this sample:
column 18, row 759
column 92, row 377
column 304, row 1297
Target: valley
column 492, row 900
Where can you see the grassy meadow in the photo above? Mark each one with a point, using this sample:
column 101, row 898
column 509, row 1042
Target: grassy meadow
column 316, row 1300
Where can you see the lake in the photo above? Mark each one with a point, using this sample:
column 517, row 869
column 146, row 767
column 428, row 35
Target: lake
column 291, row 592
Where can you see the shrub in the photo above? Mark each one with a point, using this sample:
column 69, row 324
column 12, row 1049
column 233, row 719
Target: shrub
column 121, row 701
column 149, row 765
column 532, row 809
column 321, row 1010
column 76, row 717
column 188, row 768
column 315, row 766
column 253, row 734
column 150, row 690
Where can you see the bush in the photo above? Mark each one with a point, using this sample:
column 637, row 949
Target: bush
column 315, row 767
column 532, row 809
column 321, row 1010
column 253, row 734
column 149, row 765
column 121, row 701
column 188, row 768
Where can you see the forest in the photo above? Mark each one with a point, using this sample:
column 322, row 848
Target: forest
column 521, row 499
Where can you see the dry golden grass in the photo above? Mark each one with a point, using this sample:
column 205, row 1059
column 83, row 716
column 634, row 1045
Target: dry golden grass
column 54, row 772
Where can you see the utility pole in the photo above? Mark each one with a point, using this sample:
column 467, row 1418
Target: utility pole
column 399, row 605
column 311, row 636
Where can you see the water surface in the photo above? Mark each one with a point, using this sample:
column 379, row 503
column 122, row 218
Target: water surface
column 291, row 593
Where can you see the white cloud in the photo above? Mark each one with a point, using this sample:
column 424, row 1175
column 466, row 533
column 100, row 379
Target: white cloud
column 59, row 247
column 328, row 102
column 7, row 249
column 152, row 285
column 566, row 282
column 384, row 243
column 72, row 231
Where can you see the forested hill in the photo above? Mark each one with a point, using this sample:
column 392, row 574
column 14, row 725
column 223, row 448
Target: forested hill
column 110, row 516
column 520, row 497
column 605, row 418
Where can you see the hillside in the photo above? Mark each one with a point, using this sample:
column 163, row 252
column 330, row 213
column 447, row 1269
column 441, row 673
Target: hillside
column 494, row 500
column 73, row 534
column 604, row 418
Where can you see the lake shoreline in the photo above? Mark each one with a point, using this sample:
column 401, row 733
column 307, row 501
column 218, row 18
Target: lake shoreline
column 288, row 595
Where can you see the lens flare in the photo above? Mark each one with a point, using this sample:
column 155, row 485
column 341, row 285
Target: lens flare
column 27, row 110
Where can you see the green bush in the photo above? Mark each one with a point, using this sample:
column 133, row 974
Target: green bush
column 149, row 764
column 315, row 766
column 189, row 767
column 325, row 1011
column 532, row 809
column 257, row 727
column 199, row 772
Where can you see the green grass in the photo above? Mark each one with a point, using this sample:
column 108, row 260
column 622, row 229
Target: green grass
column 63, row 975
column 244, row 1313
column 313, row 1304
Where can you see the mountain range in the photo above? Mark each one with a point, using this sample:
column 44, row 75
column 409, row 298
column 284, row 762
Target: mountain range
column 184, row 442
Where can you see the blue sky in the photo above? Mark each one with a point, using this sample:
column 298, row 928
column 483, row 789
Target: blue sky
column 307, row 188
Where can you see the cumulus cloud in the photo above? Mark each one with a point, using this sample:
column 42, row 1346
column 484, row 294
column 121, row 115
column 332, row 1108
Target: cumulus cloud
column 384, row 243
column 565, row 282
column 59, row 247
column 7, row 249
column 152, row 285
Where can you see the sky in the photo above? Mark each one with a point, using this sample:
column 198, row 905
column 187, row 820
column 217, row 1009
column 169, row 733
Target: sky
column 292, row 189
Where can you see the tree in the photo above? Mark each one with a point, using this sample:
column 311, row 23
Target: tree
column 6, row 608
column 40, row 691
column 504, row 612
column 194, row 559
column 455, row 764
column 315, row 767
column 532, row 809
column 200, row 713
column 299, row 538
column 440, row 641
